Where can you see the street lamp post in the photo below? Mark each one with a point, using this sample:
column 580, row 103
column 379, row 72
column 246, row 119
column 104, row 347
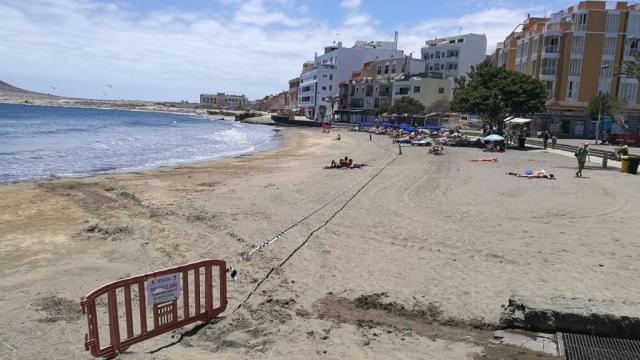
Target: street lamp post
column 599, row 108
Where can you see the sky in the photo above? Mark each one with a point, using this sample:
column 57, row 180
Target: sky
column 175, row 50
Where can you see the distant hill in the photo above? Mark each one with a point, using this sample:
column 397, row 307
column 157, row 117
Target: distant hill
column 8, row 89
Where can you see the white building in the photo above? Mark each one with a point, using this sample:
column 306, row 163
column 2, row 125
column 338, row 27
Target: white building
column 335, row 66
column 455, row 55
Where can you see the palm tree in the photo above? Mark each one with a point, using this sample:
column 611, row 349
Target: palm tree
column 332, row 99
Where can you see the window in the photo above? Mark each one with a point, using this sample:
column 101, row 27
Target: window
column 628, row 92
column 402, row 68
column 534, row 69
column 581, row 22
column 330, row 76
column 330, row 87
column 386, row 69
column 416, row 89
column 430, row 67
column 572, row 90
column 604, row 86
column 606, row 70
column 577, row 45
column 452, row 41
column 305, row 99
column 460, row 40
column 631, row 47
column 393, row 68
column 441, row 90
column 549, row 88
column 403, row 90
column 432, row 56
column 634, row 23
column 379, row 70
column 369, row 91
column 609, row 46
column 612, row 22
column 574, row 67
column 324, row 88
column 452, row 66
column 306, row 88
column 369, row 101
column 534, row 47
column 437, row 54
column 353, row 90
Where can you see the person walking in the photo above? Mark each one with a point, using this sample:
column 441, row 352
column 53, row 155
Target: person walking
column 554, row 141
column 582, row 154
column 545, row 139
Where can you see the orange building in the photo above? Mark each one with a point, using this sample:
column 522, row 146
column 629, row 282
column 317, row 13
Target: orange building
column 578, row 52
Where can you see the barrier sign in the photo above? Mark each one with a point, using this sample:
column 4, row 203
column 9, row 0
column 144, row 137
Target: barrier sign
column 163, row 289
column 179, row 296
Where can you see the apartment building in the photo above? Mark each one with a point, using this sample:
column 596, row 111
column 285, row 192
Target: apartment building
column 294, row 85
column 427, row 88
column 370, row 89
column 578, row 52
column 223, row 101
column 455, row 55
column 334, row 66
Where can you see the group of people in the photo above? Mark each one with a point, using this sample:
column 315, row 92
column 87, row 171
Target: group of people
column 345, row 163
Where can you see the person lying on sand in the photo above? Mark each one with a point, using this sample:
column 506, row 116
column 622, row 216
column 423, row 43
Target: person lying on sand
column 534, row 175
column 345, row 164
column 484, row 160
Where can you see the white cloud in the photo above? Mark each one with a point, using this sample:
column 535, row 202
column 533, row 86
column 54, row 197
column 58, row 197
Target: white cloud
column 495, row 23
column 350, row 4
column 356, row 20
column 251, row 47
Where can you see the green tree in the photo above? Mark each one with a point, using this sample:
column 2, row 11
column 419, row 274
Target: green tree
column 382, row 109
column 496, row 93
column 440, row 106
column 407, row 105
column 632, row 68
column 332, row 99
column 607, row 104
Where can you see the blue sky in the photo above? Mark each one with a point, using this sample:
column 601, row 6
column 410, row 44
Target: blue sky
column 175, row 50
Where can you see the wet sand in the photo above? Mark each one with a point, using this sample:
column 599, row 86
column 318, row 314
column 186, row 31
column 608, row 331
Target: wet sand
column 416, row 264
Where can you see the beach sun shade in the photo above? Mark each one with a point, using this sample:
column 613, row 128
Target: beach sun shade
column 493, row 137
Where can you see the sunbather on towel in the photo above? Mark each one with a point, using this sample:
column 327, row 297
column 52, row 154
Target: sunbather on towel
column 534, row 175
column 485, row 160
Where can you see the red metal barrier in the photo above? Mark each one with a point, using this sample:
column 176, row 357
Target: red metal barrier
column 166, row 291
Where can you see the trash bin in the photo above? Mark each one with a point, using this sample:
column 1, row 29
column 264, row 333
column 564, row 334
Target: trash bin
column 624, row 164
column 634, row 161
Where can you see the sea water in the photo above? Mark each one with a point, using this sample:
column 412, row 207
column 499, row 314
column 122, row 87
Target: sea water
column 40, row 142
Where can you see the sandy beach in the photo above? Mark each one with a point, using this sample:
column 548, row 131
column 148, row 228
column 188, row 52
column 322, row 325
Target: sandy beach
column 415, row 260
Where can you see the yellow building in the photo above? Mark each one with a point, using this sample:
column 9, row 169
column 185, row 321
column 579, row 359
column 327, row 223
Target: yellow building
column 577, row 52
column 427, row 90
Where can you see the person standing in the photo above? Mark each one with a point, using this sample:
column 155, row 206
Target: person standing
column 545, row 139
column 582, row 154
column 554, row 141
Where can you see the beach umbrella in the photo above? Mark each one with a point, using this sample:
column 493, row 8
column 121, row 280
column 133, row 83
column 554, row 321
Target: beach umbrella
column 493, row 137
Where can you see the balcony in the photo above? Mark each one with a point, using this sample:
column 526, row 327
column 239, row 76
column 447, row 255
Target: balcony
column 579, row 27
column 551, row 51
column 548, row 71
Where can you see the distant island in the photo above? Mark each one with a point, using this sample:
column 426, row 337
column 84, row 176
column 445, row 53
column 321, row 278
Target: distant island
column 15, row 95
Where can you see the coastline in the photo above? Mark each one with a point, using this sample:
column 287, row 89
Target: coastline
column 273, row 142
column 411, row 235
